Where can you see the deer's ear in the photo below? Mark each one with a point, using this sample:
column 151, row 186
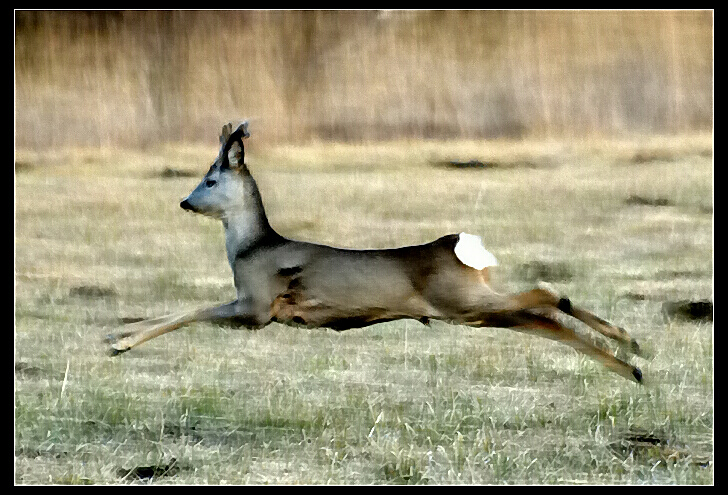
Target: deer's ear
column 236, row 155
column 232, row 146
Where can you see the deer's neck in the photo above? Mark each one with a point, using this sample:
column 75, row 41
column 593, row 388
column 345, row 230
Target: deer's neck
column 246, row 228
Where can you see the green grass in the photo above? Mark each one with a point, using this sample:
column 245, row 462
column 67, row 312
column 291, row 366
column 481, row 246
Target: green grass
column 99, row 237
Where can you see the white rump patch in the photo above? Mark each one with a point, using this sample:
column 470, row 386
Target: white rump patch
column 471, row 252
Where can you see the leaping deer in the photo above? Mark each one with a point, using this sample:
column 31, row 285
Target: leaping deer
column 301, row 283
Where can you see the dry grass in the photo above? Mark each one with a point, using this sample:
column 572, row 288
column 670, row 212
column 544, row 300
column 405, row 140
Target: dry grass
column 99, row 238
column 138, row 78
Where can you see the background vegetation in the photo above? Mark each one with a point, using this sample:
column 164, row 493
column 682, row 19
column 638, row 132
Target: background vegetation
column 577, row 144
column 136, row 78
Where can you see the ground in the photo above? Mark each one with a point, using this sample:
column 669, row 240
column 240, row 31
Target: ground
column 621, row 227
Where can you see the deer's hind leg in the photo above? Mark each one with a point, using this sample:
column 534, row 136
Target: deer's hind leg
column 536, row 324
column 544, row 297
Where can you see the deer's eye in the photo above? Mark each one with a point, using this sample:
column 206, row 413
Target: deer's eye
column 210, row 182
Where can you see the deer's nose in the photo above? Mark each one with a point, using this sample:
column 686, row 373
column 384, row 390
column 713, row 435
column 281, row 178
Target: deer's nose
column 185, row 205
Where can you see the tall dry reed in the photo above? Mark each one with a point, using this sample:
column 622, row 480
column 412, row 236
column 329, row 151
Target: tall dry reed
column 133, row 78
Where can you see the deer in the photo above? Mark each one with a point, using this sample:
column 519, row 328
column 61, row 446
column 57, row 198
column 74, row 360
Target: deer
column 301, row 283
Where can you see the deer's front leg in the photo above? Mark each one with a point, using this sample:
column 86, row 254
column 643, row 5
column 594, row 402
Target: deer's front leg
column 136, row 333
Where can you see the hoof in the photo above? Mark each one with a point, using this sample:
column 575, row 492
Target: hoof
column 637, row 373
column 635, row 348
column 564, row 305
column 115, row 352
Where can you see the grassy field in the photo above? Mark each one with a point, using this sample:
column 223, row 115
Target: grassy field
column 621, row 227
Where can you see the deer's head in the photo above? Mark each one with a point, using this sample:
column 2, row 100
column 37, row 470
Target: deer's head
column 227, row 188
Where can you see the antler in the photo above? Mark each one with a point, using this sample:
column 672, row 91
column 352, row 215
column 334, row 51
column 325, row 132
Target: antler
column 227, row 129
